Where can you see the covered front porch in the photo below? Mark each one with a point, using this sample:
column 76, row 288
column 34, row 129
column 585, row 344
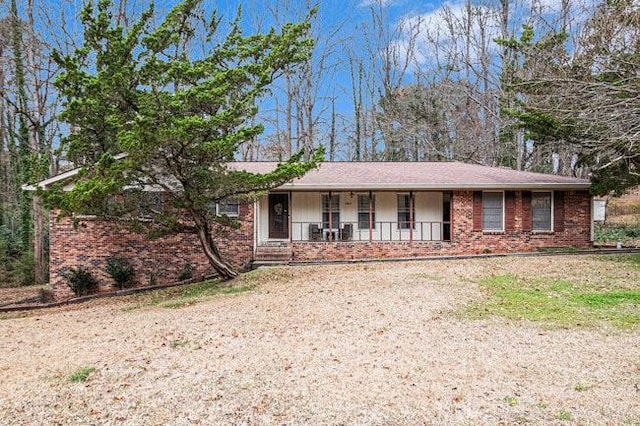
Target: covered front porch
column 353, row 216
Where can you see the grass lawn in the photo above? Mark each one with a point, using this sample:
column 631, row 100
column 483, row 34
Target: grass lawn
column 576, row 302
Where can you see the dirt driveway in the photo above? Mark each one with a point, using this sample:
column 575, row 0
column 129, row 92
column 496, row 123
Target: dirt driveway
column 380, row 344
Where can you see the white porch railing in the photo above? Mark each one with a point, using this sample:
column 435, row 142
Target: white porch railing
column 380, row 231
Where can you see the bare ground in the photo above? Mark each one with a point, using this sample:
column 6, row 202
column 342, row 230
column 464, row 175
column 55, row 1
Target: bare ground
column 380, row 344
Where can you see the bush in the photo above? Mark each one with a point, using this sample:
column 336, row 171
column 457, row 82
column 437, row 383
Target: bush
column 45, row 295
column 80, row 280
column 187, row 272
column 120, row 270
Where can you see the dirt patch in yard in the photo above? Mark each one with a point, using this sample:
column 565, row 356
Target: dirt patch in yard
column 379, row 343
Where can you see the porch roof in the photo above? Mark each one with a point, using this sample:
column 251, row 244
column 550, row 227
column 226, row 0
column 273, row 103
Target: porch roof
column 416, row 176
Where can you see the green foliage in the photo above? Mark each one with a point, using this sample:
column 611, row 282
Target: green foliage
column 146, row 109
column 564, row 415
column 558, row 302
column 80, row 280
column 121, row 270
column 632, row 259
column 81, row 375
column 17, row 267
column 511, row 401
column 25, row 269
column 610, row 234
column 186, row 273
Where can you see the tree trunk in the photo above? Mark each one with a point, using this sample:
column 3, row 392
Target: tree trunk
column 225, row 270
column 38, row 241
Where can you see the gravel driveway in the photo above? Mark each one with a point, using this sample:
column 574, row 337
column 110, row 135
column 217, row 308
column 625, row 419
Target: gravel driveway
column 371, row 344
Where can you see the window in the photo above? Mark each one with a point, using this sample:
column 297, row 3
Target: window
column 492, row 211
column 363, row 212
column 228, row 208
column 404, row 211
column 335, row 211
column 541, row 211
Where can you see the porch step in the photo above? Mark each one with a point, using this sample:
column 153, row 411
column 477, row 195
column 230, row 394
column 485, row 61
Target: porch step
column 273, row 254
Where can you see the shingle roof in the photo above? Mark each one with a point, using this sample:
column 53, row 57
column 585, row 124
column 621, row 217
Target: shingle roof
column 417, row 176
column 398, row 176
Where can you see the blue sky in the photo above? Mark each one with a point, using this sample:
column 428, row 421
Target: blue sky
column 345, row 29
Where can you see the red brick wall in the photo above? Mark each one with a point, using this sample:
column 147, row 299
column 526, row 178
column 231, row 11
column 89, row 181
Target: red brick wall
column 466, row 240
column 91, row 241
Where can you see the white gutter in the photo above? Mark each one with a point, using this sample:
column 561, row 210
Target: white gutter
column 439, row 186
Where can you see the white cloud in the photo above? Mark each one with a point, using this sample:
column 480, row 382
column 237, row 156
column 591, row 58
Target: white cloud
column 450, row 34
column 380, row 3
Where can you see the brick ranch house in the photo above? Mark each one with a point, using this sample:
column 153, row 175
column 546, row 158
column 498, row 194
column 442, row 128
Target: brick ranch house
column 348, row 211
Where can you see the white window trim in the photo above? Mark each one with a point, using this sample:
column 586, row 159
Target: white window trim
column 543, row 231
column 227, row 214
column 494, row 231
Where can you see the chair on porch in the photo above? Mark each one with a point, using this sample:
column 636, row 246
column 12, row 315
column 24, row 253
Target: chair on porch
column 347, row 232
column 315, row 234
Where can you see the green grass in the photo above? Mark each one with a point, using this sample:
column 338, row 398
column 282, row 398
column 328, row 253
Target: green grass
column 179, row 297
column 81, row 375
column 557, row 302
column 564, row 415
column 632, row 259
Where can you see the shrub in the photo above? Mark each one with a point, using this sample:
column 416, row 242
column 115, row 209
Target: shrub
column 187, row 272
column 80, row 280
column 45, row 295
column 120, row 270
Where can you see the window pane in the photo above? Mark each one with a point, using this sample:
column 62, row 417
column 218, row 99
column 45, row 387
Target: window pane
column 492, row 218
column 229, row 209
column 363, row 212
column 541, row 211
column 404, row 216
column 335, row 211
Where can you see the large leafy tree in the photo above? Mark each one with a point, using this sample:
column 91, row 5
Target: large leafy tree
column 148, row 109
column 584, row 96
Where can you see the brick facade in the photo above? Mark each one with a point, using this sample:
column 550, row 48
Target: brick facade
column 90, row 241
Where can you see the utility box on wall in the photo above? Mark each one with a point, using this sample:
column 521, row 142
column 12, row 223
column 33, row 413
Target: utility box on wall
column 599, row 209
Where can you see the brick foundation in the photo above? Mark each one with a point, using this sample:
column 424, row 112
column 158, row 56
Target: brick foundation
column 90, row 241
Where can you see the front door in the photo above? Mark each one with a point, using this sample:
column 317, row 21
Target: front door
column 279, row 216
